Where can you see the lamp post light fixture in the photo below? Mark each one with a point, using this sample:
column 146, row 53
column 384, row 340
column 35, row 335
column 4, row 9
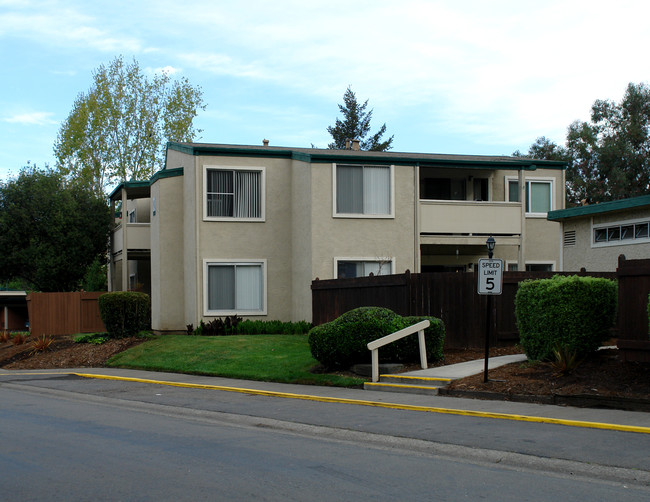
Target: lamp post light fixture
column 490, row 243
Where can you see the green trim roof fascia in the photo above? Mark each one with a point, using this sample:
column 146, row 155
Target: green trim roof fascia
column 163, row 173
column 128, row 184
column 166, row 173
column 327, row 156
column 603, row 207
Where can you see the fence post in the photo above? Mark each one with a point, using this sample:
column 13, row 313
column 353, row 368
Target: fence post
column 423, row 350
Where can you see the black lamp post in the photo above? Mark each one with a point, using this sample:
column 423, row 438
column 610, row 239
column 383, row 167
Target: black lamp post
column 490, row 243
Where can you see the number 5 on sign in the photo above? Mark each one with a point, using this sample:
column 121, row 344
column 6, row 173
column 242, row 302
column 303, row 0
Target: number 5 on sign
column 490, row 276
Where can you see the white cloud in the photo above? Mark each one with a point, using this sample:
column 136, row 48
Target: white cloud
column 168, row 70
column 31, row 118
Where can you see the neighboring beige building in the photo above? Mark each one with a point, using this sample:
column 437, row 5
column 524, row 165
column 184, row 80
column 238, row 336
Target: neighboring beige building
column 595, row 235
column 229, row 229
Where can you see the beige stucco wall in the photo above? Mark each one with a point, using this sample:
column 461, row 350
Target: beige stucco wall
column 301, row 240
column 362, row 238
column 167, row 274
column 601, row 258
column 270, row 240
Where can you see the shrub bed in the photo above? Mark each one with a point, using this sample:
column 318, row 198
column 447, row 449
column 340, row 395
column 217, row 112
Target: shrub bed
column 575, row 313
column 125, row 313
column 343, row 342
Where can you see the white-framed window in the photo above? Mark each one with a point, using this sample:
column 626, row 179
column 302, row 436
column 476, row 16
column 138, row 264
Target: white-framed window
column 346, row 268
column 621, row 233
column 362, row 191
column 235, row 287
column 513, row 266
column 234, row 193
column 539, row 195
column 132, row 216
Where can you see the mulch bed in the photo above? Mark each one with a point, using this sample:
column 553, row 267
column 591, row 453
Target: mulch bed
column 62, row 353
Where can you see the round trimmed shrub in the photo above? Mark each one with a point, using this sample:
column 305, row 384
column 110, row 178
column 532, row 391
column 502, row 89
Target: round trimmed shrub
column 125, row 313
column 571, row 312
column 344, row 341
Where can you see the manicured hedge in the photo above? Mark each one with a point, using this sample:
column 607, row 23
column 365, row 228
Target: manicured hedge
column 125, row 313
column 571, row 312
column 344, row 341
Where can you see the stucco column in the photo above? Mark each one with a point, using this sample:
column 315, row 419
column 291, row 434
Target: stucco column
column 521, row 262
column 125, row 246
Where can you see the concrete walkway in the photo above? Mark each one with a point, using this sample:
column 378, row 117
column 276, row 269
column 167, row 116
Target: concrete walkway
column 469, row 368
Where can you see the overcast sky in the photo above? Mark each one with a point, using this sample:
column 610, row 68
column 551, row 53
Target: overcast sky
column 469, row 77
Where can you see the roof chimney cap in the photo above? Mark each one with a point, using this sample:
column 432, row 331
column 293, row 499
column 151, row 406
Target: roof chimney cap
column 265, row 142
column 347, row 144
column 356, row 145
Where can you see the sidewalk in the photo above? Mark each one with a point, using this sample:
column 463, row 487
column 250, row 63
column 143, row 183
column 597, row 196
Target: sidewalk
column 502, row 410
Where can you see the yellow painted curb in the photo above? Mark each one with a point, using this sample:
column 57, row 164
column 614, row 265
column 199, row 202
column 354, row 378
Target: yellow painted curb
column 399, row 385
column 424, row 379
column 394, row 406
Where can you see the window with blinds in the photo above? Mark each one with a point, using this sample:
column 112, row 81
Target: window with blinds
column 363, row 190
column 235, row 287
column 234, row 193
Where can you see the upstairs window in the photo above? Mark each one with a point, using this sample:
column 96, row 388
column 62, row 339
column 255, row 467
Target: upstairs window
column 349, row 268
column 539, row 195
column 363, row 190
column 234, row 194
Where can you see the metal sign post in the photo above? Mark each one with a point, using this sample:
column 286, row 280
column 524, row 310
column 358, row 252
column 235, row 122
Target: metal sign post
column 490, row 280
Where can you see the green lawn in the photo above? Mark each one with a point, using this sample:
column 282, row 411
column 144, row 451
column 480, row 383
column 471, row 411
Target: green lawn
column 272, row 358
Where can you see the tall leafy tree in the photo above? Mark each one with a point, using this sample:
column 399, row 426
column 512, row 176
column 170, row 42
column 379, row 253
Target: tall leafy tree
column 609, row 156
column 544, row 149
column 356, row 125
column 118, row 129
column 51, row 230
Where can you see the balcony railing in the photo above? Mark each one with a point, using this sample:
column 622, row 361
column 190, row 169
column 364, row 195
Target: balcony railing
column 469, row 217
column 138, row 236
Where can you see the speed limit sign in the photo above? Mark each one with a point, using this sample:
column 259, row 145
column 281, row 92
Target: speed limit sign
column 490, row 276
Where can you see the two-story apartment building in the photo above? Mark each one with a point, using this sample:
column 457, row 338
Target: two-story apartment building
column 227, row 229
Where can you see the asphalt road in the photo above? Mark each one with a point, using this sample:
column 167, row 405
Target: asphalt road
column 69, row 438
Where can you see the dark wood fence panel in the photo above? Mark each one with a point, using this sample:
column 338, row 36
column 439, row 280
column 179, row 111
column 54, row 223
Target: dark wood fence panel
column 449, row 296
column 64, row 313
column 633, row 290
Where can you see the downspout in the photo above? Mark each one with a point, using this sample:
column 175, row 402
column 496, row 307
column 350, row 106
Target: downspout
column 416, row 220
column 521, row 261
column 198, row 265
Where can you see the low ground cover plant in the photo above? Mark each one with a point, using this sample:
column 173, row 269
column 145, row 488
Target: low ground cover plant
column 566, row 313
column 343, row 342
column 94, row 338
column 125, row 313
column 234, row 325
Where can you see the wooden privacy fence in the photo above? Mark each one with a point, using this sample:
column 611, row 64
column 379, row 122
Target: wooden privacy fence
column 450, row 296
column 64, row 313
column 633, row 290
